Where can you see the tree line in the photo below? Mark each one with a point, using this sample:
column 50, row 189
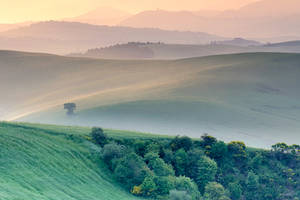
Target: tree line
column 182, row 168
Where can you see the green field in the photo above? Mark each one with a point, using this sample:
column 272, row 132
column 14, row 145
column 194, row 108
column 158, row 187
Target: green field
column 253, row 97
column 40, row 162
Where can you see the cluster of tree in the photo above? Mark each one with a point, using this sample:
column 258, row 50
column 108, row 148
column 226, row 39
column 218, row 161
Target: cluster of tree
column 206, row 169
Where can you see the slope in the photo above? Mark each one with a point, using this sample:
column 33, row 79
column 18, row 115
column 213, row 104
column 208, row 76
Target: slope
column 251, row 97
column 38, row 164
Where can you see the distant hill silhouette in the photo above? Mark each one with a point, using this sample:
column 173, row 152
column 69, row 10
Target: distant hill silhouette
column 101, row 16
column 65, row 37
column 262, row 19
column 240, row 42
column 139, row 50
column 6, row 27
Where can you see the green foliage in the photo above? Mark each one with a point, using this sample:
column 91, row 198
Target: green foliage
column 256, row 161
column 183, row 183
column 180, row 162
column 214, row 191
column 131, row 170
column 159, row 167
column 237, row 150
column 179, row 195
column 208, row 140
column 252, row 186
column 194, row 155
column 112, row 151
column 164, row 184
column 218, row 151
column 235, row 190
column 148, row 186
column 206, row 172
column 99, row 136
column 276, row 176
column 184, row 142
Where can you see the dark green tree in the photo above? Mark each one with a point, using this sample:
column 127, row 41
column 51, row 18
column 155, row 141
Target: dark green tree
column 252, row 186
column 159, row 167
column 131, row 170
column 235, row 190
column 180, row 162
column 99, row 136
column 215, row 191
column 206, row 172
column 183, row 183
column 184, row 142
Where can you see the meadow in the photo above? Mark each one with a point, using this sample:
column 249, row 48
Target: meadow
column 44, row 163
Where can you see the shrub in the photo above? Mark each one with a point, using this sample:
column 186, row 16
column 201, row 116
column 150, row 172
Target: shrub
column 148, row 186
column 131, row 170
column 112, row 151
column 159, row 167
column 214, row 191
column 183, row 183
column 235, row 190
column 99, row 136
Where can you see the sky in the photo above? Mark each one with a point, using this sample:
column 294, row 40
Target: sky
column 12, row 11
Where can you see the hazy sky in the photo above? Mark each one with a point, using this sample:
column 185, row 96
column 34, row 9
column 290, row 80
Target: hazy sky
column 27, row 10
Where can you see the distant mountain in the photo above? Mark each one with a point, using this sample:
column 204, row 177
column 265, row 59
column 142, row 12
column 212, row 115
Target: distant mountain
column 170, row 20
column 259, row 19
column 65, row 37
column 266, row 8
column 101, row 16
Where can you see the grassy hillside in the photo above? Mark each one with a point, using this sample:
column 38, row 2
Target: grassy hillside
column 252, row 97
column 43, row 164
column 40, row 161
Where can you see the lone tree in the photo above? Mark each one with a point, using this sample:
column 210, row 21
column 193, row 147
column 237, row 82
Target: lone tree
column 70, row 107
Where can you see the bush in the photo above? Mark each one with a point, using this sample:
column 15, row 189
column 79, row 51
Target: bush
column 164, row 184
column 112, row 151
column 148, row 186
column 99, row 136
column 159, row 167
column 235, row 190
column 183, row 183
column 214, row 191
column 131, row 170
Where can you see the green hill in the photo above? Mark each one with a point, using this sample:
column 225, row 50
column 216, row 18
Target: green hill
column 251, row 97
column 43, row 164
column 46, row 162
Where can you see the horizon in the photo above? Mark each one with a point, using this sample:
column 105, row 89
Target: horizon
column 58, row 10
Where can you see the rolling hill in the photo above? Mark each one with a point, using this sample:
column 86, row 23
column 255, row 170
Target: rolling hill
column 65, row 37
column 251, row 97
column 41, row 164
